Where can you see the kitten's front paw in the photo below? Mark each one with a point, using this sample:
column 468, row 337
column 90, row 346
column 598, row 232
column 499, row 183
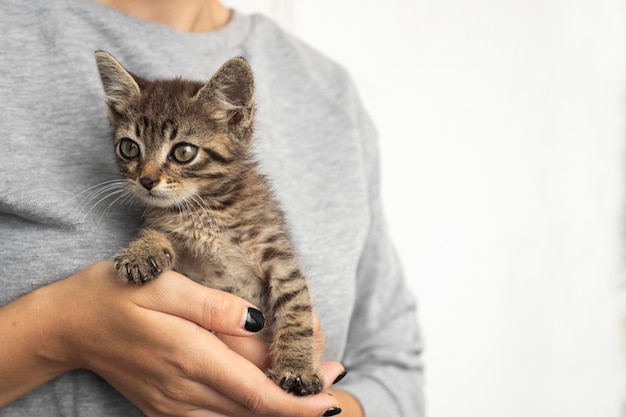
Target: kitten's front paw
column 299, row 382
column 144, row 259
column 140, row 270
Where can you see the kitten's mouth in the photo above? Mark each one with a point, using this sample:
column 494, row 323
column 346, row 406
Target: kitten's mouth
column 152, row 195
column 163, row 197
column 156, row 198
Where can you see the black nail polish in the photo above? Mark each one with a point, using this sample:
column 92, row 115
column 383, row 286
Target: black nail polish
column 332, row 412
column 340, row 376
column 254, row 320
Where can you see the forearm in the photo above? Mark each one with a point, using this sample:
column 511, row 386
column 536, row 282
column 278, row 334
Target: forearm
column 28, row 346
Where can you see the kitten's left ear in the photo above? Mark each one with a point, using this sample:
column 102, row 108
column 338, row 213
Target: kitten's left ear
column 229, row 94
column 119, row 85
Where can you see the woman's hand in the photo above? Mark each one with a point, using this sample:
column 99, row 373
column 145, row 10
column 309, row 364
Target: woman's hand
column 257, row 352
column 151, row 343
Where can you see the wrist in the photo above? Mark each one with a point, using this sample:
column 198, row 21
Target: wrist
column 49, row 344
column 74, row 305
column 30, row 348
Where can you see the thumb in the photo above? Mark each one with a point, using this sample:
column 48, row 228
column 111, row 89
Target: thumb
column 175, row 294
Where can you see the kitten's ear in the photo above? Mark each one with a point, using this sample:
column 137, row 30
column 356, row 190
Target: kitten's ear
column 229, row 94
column 119, row 85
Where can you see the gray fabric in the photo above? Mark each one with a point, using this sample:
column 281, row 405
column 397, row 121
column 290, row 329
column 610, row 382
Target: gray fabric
column 314, row 142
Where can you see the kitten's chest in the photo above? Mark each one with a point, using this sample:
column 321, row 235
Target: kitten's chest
column 208, row 252
column 199, row 233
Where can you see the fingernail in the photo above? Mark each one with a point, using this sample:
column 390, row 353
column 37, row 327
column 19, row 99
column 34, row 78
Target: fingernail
column 340, row 377
column 332, row 412
column 254, row 320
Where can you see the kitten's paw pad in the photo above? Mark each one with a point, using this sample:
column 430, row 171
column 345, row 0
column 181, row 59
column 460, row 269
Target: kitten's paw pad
column 135, row 269
column 298, row 382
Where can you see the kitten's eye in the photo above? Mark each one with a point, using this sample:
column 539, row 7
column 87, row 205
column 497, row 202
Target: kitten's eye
column 129, row 148
column 184, row 152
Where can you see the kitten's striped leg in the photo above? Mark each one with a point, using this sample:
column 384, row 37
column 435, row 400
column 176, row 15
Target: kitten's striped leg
column 294, row 360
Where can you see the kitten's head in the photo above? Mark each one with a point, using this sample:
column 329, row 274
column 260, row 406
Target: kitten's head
column 176, row 140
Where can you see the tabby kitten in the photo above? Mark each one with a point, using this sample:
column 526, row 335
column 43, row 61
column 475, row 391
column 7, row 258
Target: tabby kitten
column 184, row 149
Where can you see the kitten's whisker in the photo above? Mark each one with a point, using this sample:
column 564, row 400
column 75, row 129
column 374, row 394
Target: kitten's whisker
column 98, row 189
column 243, row 179
column 183, row 208
column 107, row 189
column 201, row 204
column 86, row 190
column 99, row 198
column 207, row 211
column 110, row 195
column 129, row 197
column 123, row 195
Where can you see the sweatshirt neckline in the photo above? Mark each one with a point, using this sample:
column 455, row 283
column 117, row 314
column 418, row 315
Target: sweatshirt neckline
column 234, row 32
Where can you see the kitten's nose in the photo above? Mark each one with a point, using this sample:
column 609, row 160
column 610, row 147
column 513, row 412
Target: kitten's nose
column 148, row 182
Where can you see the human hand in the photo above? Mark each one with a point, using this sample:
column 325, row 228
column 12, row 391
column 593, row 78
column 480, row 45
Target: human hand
column 150, row 342
column 257, row 352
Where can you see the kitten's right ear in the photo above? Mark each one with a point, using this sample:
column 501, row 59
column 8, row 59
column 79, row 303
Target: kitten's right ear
column 119, row 85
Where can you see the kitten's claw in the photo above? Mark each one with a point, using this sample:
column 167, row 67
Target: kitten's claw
column 134, row 267
column 302, row 383
column 156, row 269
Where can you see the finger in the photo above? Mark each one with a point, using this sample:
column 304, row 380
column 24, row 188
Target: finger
column 256, row 392
column 234, row 386
column 251, row 348
column 330, row 373
column 318, row 338
column 174, row 294
column 257, row 351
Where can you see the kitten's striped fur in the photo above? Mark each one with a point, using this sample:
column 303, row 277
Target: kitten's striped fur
column 212, row 218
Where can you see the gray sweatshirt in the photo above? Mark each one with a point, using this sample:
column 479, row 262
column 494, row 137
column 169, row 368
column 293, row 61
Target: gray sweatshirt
column 314, row 141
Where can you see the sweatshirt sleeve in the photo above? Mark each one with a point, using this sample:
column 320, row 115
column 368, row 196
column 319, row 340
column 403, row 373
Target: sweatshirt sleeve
column 384, row 346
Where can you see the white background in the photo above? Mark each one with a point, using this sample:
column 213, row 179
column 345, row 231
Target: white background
column 502, row 127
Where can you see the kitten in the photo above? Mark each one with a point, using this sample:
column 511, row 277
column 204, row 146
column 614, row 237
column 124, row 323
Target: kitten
column 184, row 149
